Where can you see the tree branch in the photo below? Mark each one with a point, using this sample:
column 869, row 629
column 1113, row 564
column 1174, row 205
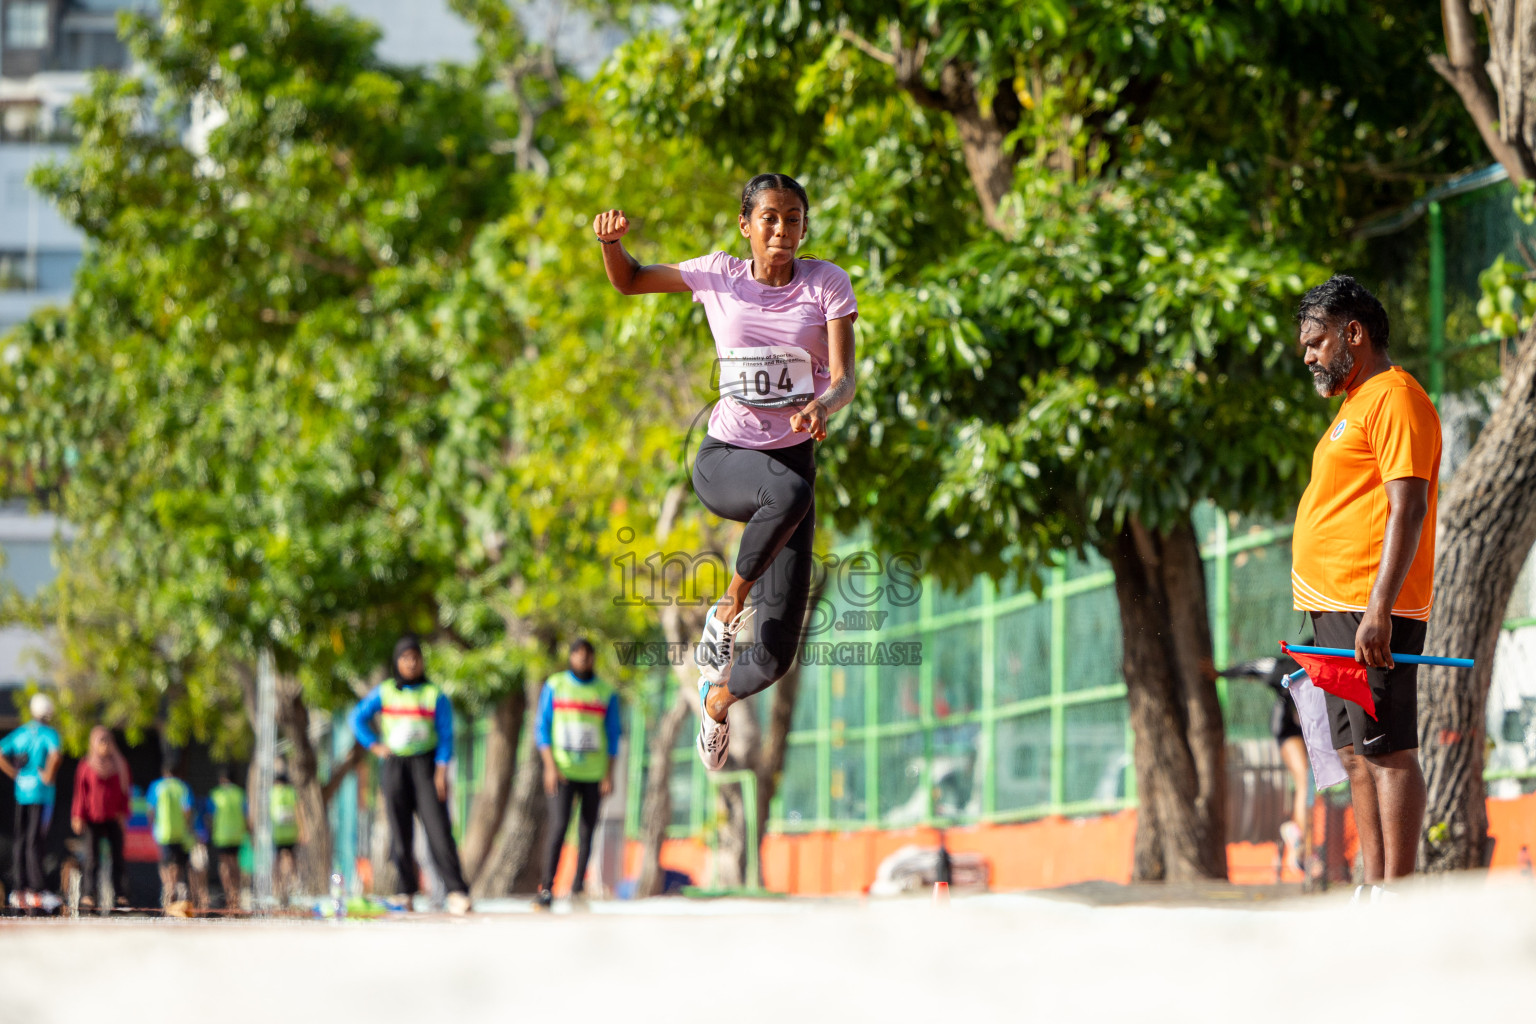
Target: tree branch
column 1463, row 69
column 1460, row 33
column 538, row 66
column 867, row 47
column 341, row 268
column 909, row 73
column 339, row 773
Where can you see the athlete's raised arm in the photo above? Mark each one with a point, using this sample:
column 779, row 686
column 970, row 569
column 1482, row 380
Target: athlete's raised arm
column 624, row 271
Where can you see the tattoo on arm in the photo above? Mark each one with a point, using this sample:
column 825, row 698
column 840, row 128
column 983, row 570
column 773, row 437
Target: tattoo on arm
column 839, row 394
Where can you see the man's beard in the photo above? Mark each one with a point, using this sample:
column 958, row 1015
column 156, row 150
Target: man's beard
column 1330, row 379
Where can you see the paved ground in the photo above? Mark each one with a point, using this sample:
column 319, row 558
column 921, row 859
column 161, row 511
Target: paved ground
column 1446, row 951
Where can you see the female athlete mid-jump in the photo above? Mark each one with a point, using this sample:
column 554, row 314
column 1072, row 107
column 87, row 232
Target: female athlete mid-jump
column 783, row 331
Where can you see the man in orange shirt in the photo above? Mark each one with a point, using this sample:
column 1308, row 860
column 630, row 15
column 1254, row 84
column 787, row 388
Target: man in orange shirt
column 1363, row 558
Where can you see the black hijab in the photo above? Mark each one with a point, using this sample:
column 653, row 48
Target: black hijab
column 408, row 642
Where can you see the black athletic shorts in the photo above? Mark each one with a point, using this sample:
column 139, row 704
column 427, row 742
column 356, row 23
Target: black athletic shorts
column 174, row 854
column 1395, row 691
column 1283, row 722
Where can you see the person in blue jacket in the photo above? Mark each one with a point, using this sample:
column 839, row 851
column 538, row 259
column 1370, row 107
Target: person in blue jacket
column 414, row 744
column 577, row 733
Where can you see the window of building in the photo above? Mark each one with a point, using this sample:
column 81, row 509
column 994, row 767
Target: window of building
column 26, row 25
column 27, row 565
column 16, row 272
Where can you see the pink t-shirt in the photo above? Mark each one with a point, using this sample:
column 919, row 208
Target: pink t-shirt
column 745, row 313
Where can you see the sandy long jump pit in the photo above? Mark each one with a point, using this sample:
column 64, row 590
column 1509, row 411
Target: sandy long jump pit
column 1457, row 950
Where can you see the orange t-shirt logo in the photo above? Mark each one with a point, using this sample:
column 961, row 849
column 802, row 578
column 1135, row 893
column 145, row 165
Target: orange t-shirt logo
column 1338, row 430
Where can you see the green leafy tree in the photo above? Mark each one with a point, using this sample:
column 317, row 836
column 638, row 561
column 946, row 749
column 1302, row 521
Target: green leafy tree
column 617, row 397
column 350, row 367
column 1487, row 510
column 283, row 407
column 1092, row 339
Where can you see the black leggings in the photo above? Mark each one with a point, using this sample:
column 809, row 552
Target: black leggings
column 27, row 847
column 90, row 867
column 560, row 818
column 410, row 790
column 773, row 491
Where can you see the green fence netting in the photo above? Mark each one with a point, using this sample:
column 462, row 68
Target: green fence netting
column 1016, row 708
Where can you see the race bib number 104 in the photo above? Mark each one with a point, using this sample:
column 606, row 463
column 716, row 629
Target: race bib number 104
column 767, row 377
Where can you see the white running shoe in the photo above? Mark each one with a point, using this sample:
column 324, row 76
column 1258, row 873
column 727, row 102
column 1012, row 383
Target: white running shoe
column 714, row 737
column 1290, row 835
column 1373, row 895
column 716, row 650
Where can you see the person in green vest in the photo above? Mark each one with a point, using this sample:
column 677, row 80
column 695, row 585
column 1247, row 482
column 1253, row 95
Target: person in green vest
column 226, row 832
column 283, row 813
column 169, row 803
column 414, row 744
column 577, row 732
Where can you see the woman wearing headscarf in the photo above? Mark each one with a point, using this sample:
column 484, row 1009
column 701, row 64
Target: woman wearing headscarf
column 414, row 744
column 99, row 813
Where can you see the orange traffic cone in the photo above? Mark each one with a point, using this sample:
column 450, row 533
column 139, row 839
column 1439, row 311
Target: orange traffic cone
column 941, row 894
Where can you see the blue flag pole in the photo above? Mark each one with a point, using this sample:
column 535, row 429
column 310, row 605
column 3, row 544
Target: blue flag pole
column 1405, row 659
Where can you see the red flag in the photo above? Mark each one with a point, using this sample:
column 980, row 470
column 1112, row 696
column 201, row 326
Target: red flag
column 1342, row 677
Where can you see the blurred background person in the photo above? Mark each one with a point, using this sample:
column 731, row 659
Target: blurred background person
column 283, row 811
column 170, row 815
column 226, row 832
column 414, row 751
column 1286, row 728
column 99, row 813
column 577, row 733
column 30, row 755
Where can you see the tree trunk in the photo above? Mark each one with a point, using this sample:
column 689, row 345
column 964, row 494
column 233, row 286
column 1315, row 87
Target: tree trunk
column 1486, row 531
column 386, row 881
column 516, row 858
column 313, row 855
column 1147, row 863
column 983, row 136
column 730, row 865
column 314, row 851
column 730, row 862
column 1170, row 677
column 680, row 625
column 775, row 746
column 752, row 748
column 763, row 751
column 489, row 807
column 656, row 805
column 983, row 133
column 354, row 760
column 1498, row 108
